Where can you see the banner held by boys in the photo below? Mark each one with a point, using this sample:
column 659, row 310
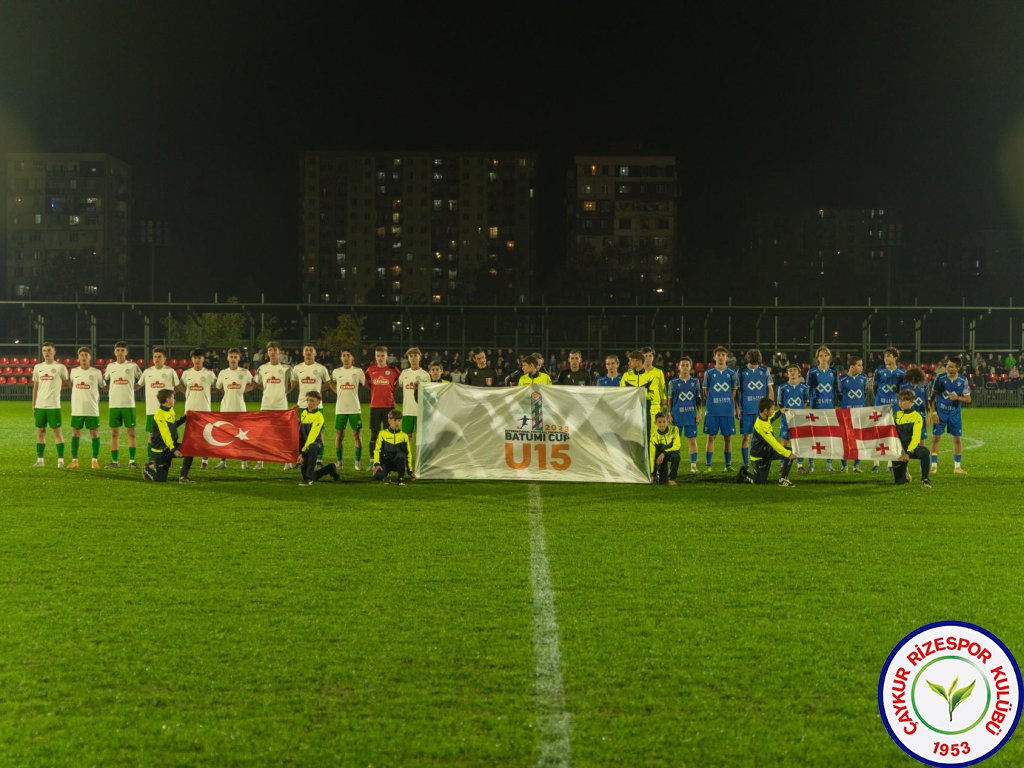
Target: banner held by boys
column 581, row 434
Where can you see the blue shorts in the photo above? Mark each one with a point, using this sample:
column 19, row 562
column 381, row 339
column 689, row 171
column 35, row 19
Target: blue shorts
column 719, row 425
column 952, row 422
column 689, row 430
column 747, row 423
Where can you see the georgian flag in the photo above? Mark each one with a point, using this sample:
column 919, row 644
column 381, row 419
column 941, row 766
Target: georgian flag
column 257, row 435
column 844, row 433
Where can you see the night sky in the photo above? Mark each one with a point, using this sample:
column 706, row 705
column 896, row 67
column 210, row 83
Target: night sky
column 918, row 107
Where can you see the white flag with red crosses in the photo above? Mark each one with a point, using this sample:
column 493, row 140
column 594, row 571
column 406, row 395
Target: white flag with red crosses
column 844, row 433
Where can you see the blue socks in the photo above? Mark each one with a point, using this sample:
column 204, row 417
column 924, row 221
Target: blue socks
column 745, row 452
column 693, row 457
column 708, row 456
column 728, row 458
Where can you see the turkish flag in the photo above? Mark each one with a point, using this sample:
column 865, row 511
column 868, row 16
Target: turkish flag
column 256, row 435
column 844, row 433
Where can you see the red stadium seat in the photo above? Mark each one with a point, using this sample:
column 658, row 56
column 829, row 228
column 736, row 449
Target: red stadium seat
column 698, row 367
column 23, row 380
column 8, row 371
column 26, row 361
column 5, row 361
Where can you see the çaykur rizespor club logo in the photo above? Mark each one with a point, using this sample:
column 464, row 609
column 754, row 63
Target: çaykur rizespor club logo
column 949, row 694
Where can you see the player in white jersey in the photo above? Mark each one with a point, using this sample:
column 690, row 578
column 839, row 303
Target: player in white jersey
column 198, row 383
column 86, row 383
column 310, row 376
column 153, row 379
column 234, row 382
column 48, row 377
column 409, row 381
column 346, row 381
column 274, row 378
column 123, row 378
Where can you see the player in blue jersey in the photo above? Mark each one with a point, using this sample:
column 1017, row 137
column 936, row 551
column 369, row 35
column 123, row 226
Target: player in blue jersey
column 684, row 399
column 886, row 383
column 792, row 394
column 613, row 377
column 821, row 389
column 950, row 392
column 755, row 382
column 853, row 389
column 721, row 407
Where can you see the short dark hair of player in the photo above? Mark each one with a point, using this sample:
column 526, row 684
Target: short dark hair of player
column 718, row 349
column 410, row 350
column 636, row 354
column 235, row 351
column 309, row 344
column 765, row 403
column 754, row 356
column 793, row 366
column 164, row 395
column 435, row 364
column 121, row 345
column 647, row 350
column 380, row 349
column 852, row 360
column 394, row 415
column 914, row 376
column 954, row 361
column 159, row 351
column 197, row 352
column 892, row 351
column 536, row 358
column 686, row 359
column 273, row 345
column 906, row 394
column 84, row 349
column 575, row 352
column 48, row 344
column 313, row 393
column 662, row 416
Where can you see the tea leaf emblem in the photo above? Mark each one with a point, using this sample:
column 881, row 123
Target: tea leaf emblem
column 954, row 696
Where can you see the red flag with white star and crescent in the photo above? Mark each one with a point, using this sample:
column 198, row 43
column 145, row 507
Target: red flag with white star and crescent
column 255, row 435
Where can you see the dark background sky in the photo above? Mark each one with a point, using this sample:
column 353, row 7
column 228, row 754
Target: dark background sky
column 903, row 105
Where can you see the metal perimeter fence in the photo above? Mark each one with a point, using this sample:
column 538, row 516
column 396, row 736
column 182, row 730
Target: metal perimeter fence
column 924, row 333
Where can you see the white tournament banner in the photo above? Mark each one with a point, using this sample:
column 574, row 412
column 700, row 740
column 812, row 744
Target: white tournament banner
column 574, row 434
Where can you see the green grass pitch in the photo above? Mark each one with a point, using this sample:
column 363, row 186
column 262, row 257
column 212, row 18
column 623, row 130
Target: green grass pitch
column 245, row 621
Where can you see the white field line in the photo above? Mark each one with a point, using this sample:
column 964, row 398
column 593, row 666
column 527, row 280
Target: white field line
column 975, row 443
column 554, row 722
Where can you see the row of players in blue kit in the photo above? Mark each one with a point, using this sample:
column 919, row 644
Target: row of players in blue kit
column 727, row 396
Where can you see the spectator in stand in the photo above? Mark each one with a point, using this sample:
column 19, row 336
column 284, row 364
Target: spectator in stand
column 1009, row 362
